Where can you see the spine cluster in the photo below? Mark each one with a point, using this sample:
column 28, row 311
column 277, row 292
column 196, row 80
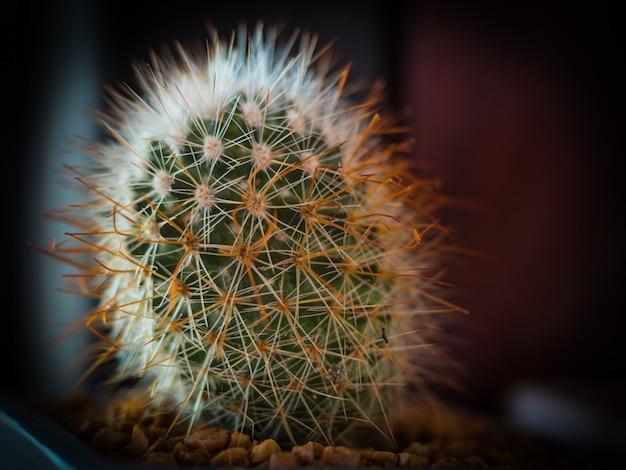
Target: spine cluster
column 263, row 257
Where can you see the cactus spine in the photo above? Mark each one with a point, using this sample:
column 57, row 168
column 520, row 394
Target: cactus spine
column 263, row 257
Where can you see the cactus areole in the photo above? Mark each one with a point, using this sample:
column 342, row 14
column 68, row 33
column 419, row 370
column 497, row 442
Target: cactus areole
column 264, row 258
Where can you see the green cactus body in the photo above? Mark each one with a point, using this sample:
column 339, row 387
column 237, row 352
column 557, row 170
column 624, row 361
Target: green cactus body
column 262, row 255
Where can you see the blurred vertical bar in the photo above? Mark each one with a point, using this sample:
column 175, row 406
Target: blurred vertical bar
column 64, row 83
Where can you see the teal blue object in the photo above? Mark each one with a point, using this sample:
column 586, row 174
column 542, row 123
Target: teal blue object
column 31, row 441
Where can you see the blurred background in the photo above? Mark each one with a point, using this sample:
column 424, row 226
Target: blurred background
column 514, row 104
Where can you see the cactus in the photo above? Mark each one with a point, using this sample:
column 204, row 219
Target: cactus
column 263, row 256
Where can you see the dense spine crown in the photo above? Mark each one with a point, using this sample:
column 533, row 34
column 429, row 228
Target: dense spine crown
column 261, row 260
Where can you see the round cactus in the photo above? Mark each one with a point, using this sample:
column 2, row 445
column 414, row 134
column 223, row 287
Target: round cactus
column 263, row 256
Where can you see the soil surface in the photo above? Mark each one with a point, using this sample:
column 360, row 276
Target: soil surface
column 442, row 438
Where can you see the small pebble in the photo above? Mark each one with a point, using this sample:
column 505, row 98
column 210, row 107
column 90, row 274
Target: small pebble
column 262, row 451
column 212, row 439
column 308, row 453
column 231, row 457
column 419, row 448
column 283, row 459
column 168, row 443
column 186, row 456
column 109, row 438
column 408, row 459
column 382, row 458
column 139, row 441
column 238, row 439
column 341, row 456
column 154, row 432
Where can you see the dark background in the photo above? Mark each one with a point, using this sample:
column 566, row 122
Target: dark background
column 515, row 104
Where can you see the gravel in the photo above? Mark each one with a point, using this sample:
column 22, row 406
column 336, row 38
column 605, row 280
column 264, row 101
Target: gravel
column 445, row 438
